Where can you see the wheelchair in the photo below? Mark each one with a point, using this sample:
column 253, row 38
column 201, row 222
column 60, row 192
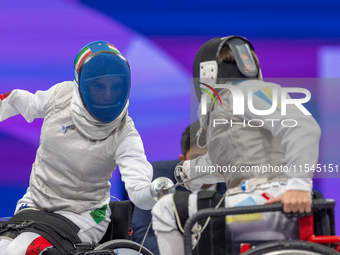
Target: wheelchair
column 317, row 231
column 117, row 239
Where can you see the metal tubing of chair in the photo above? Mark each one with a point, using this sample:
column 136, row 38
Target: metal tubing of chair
column 204, row 213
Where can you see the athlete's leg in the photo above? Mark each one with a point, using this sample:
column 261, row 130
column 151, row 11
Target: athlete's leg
column 260, row 226
column 94, row 233
column 170, row 243
column 165, row 227
column 33, row 244
column 27, row 244
column 3, row 245
column 92, row 223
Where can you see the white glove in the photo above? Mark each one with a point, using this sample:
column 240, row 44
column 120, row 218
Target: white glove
column 182, row 174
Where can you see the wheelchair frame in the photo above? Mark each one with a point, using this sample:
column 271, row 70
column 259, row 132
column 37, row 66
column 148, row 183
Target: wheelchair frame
column 111, row 239
column 306, row 224
column 121, row 220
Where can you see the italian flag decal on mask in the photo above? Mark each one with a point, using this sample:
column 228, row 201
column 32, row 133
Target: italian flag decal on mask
column 81, row 57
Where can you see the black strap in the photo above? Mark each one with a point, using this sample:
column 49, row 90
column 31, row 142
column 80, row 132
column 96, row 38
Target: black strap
column 182, row 206
column 324, row 223
column 57, row 229
column 213, row 238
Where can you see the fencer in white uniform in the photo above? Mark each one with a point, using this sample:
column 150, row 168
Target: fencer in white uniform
column 86, row 134
column 240, row 144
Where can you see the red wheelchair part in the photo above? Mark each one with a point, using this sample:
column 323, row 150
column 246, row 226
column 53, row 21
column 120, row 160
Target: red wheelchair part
column 306, row 229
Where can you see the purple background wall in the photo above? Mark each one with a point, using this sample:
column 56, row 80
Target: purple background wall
column 40, row 39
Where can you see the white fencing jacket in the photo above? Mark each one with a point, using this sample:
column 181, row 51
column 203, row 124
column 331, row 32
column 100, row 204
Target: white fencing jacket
column 72, row 170
column 242, row 144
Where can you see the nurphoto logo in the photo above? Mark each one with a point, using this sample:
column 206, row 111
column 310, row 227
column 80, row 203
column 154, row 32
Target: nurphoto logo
column 271, row 95
column 268, row 94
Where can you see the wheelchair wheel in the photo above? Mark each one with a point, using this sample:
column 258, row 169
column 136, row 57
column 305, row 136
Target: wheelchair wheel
column 291, row 248
column 124, row 247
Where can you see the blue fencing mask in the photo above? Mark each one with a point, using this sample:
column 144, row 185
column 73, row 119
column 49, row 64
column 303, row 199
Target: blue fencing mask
column 104, row 80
